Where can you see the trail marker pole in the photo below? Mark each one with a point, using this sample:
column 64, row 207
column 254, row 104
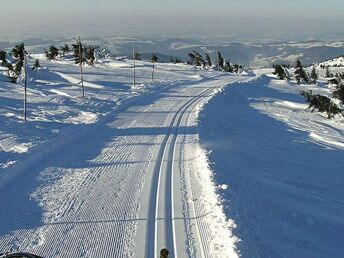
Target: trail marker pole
column 81, row 72
column 134, row 62
column 25, row 88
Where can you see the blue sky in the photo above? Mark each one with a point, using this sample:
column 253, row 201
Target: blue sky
column 252, row 18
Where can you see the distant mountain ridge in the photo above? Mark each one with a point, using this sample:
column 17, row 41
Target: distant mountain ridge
column 257, row 55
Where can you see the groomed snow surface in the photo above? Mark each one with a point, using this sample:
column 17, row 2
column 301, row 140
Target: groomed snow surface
column 119, row 173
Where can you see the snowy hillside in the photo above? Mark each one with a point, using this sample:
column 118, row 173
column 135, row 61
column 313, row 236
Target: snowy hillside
column 283, row 166
column 336, row 62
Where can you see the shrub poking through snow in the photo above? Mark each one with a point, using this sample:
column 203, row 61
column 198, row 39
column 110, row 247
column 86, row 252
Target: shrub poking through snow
column 321, row 104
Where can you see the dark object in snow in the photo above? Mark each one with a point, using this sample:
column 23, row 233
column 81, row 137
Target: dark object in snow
column 164, row 253
column 19, row 255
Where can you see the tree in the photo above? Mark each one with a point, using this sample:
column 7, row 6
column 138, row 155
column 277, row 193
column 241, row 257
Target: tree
column 137, row 56
column 52, row 53
column 280, row 72
column 300, row 73
column 12, row 74
column 339, row 92
column 90, row 55
column 3, row 58
column 36, row 65
column 314, row 76
column 154, row 59
column 15, row 71
column 65, row 49
column 78, row 50
column 227, row 67
column 328, row 73
column 220, row 60
column 208, row 60
column 322, row 104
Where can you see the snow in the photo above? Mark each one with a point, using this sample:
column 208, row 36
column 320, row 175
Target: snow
column 207, row 165
column 283, row 167
column 112, row 174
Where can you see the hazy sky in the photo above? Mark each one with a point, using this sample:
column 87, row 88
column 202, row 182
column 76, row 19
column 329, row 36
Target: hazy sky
column 252, row 19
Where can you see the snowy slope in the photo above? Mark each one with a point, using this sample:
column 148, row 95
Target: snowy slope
column 117, row 174
column 283, row 166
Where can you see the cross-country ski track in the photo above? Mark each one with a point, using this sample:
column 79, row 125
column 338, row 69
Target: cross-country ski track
column 128, row 187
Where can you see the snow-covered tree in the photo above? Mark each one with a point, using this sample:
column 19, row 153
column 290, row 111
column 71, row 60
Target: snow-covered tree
column 328, row 73
column 3, row 58
column 321, row 104
column 36, row 65
column 90, row 55
column 300, row 73
column 14, row 71
column 314, row 76
column 52, row 53
column 280, row 72
column 78, row 50
column 65, row 49
column 208, row 60
column 220, row 60
column 339, row 92
column 154, row 59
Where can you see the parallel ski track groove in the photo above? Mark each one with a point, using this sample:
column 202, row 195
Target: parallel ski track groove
column 151, row 246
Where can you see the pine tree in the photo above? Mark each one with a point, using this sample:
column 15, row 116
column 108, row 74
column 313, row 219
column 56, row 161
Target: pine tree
column 339, row 92
column 3, row 58
column 220, row 61
column 154, row 59
column 208, row 60
column 137, row 56
column 36, row 65
column 328, row 73
column 12, row 75
column 90, row 55
column 77, row 48
column 65, row 49
column 280, row 72
column 321, row 103
column 52, row 53
column 314, row 76
column 300, row 73
column 15, row 71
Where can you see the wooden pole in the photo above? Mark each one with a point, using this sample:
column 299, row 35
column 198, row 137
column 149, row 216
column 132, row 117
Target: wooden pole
column 81, row 72
column 25, row 87
column 134, row 59
column 153, row 72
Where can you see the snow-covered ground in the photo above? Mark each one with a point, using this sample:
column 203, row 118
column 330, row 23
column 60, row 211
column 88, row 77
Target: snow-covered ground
column 122, row 172
column 279, row 168
column 117, row 174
